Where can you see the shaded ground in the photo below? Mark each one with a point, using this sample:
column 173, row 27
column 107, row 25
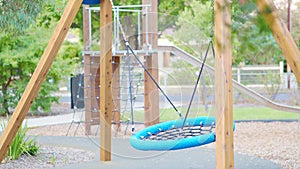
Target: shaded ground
column 275, row 141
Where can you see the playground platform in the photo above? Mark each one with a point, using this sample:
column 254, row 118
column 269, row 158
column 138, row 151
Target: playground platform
column 124, row 156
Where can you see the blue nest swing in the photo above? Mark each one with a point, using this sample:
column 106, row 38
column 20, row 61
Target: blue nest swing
column 172, row 136
column 176, row 134
column 91, row 2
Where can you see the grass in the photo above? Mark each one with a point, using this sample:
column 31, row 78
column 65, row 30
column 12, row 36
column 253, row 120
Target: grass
column 239, row 113
column 262, row 113
column 21, row 144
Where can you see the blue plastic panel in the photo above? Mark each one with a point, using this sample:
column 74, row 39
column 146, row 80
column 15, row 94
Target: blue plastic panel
column 91, row 2
column 137, row 142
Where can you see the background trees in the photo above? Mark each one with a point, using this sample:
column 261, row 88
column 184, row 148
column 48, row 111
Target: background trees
column 252, row 40
column 27, row 27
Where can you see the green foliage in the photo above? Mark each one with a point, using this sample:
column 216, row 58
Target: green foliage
column 194, row 23
column 20, row 54
column 52, row 159
column 22, row 144
column 52, row 11
column 184, row 74
column 272, row 84
column 252, row 40
column 17, row 15
column 169, row 12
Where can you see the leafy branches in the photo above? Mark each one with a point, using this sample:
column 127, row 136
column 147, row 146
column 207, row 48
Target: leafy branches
column 16, row 16
column 252, row 40
column 21, row 144
column 20, row 53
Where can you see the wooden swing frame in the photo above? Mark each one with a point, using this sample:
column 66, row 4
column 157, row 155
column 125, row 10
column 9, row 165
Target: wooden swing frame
column 223, row 63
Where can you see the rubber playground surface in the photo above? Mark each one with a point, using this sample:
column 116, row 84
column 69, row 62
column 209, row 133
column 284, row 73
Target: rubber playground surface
column 124, row 156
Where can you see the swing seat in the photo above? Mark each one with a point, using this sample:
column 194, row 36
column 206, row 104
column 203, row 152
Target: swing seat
column 170, row 135
column 91, row 2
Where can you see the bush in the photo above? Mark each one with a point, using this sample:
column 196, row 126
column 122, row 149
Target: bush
column 22, row 144
column 18, row 60
column 20, row 52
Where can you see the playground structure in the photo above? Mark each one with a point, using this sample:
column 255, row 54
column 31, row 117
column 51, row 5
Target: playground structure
column 224, row 131
column 120, row 70
column 120, row 95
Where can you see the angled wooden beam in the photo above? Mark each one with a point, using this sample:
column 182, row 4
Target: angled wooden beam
column 281, row 34
column 223, row 83
column 38, row 76
column 106, row 104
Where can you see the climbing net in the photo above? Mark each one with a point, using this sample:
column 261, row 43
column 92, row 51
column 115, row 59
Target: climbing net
column 179, row 133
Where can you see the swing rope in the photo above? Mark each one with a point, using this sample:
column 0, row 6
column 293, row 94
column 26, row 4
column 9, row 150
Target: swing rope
column 130, row 91
column 183, row 128
column 152, row 78
column 129, row 71
column 203, row 63
column 183, row 133
column 196, row 85
column 128, row 48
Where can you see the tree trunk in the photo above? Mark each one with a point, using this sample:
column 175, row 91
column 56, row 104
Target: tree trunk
column 5, row 106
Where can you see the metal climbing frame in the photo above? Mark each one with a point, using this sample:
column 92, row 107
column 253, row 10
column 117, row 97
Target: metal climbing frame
column 140, row 10
column 85, row 93
column 120, row 61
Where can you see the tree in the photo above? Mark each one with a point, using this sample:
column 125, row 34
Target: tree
column 194, row 23
column 252, row 40
column 20, row 51
column 169, row 12
column 17, row 15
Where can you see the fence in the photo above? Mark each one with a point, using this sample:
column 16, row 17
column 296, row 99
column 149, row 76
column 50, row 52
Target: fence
column 263, row 76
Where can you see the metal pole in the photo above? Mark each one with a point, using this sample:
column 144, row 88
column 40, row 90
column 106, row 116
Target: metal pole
column 139, row 28
column 289, row 28
column 115, row 32
column 90, row 28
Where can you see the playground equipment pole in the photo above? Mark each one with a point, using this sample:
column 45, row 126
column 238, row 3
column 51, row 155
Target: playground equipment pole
column 223, row 83
column 106, row 103
column 282, row 35
column 289, row 26
column 87, row 68
column 39, row 75
column 151, row 95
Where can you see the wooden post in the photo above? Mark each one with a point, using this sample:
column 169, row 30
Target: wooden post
column 105, row 79
column 282, row 35
column 86, row 28
column 167, row 56
column 87, row 93
column 38, row 76
column 87, row 70
column 151, row 93
column 223, row 83
column 116, row 92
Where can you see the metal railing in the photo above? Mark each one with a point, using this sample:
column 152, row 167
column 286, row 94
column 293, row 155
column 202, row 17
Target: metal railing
column 140, row 10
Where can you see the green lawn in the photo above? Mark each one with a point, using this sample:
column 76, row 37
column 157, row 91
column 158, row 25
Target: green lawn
column 239, row 113
column 262, row 113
